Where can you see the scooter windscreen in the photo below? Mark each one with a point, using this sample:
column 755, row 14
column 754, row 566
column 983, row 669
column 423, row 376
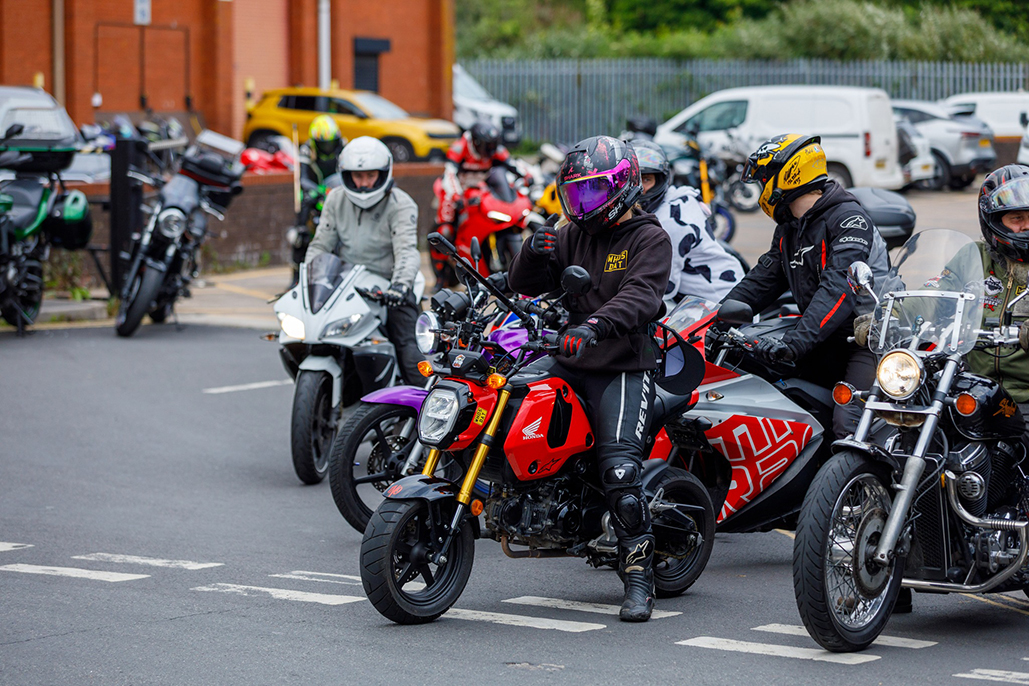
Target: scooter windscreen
column 324, row 274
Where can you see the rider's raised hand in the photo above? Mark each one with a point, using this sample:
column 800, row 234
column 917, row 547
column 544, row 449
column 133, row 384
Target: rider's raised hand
column 396, row 294
column 544, row 241
column 576, row 339
column 773, row 350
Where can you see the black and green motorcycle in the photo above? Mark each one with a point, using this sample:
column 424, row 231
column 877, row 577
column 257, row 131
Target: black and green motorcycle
column 36, row 212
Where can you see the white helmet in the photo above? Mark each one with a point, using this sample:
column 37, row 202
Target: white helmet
column 366, row 154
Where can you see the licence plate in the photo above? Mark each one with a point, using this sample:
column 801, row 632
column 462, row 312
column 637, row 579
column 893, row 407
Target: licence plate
column 926, row 167
column 984, row 142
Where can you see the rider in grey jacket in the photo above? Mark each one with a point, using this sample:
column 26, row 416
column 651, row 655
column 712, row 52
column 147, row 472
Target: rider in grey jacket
column 367, row 221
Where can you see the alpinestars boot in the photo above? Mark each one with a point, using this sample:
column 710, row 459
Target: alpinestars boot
column 636, row 561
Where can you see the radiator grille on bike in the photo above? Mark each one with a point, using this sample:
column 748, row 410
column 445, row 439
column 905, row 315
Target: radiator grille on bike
column 929, row 527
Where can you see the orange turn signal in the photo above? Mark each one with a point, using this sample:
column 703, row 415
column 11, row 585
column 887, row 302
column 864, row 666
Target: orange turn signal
column 965, row 404
column 425, row 368
column 842, row 393
column 496, row 381
column 476, row 508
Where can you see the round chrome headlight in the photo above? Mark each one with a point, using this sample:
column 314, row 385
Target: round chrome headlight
column 171, row 222
column 426, row 334
column 899, row 374
column 438, row 416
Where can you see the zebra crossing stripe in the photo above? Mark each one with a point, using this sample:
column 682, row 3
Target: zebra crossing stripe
column 817, row 655
column 323, row 577
column 891, row 641
column 73, row 572
column 522, row 620
column 597, row 608
column 281, row 594
column 146, row 561
column 996, row 675
column 4, row 547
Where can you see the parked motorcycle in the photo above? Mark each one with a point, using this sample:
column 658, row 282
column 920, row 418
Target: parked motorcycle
column 743, row 197
column 695, row 167
column 312, row 201
column 513, row 424
column 163, row 258
column 36, row 212
column 332, row 342
column 943, row 506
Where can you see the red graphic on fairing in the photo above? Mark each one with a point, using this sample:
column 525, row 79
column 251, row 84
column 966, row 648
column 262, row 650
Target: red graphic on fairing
column 759, row 449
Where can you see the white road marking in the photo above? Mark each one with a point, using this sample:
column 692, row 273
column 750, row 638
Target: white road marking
column 282, row 594
column 4, row 547
column 596, row 608
column 522, row 620
column 346, row 579
column 248, row 386
column 73, row 572
column 778, row 650
column 148, row 561
column 996, row 675
column 891, row 641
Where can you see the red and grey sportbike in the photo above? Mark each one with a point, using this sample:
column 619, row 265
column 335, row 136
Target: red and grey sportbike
column 511, row 423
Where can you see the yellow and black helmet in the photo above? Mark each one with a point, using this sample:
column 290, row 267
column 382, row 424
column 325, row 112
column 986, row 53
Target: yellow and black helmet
column 787, row 167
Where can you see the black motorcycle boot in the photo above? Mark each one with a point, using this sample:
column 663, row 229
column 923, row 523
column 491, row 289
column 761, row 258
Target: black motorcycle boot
column 636, row 562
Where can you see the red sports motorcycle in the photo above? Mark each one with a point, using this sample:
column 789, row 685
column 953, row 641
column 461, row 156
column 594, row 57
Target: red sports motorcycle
column 495, row 213
column 513, row 424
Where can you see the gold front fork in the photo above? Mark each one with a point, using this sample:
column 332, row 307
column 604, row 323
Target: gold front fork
column 705, row 185
column 431, row 460
column 470, row 477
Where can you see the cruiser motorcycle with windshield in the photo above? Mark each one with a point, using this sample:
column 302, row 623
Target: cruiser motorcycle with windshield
column 942, row 506
column 511, row 423
column 164, row 257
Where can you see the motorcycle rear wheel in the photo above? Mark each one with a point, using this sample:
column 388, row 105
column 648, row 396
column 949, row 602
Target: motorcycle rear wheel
column 723, row 223
column 743, row 196
column 313, row 425
column 394, row 553
column 28, row 302
column 143, row 291
column 843, row 597
column 672, row 575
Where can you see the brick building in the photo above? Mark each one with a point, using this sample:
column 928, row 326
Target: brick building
column 100, row 56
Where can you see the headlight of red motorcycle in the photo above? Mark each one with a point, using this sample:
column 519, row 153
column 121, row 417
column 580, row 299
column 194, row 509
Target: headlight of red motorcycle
column 438, row 416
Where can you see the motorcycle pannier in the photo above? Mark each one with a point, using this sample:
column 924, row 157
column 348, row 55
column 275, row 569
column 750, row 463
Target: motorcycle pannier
column 70, row 225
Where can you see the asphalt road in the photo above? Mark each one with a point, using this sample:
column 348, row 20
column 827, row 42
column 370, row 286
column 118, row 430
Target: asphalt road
column 152, row 533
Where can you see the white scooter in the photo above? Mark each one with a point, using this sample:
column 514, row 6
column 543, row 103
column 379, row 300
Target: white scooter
column 333, row 343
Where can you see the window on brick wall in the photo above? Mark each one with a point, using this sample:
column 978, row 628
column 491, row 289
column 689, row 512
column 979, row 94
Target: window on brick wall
column 366, row 62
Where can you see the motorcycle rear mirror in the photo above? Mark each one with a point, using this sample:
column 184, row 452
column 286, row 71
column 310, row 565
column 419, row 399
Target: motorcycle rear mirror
column 438, row 241
column 735, row 312
column 475, row 250
column 860, row 278
column 575, row 280
column 13, row 130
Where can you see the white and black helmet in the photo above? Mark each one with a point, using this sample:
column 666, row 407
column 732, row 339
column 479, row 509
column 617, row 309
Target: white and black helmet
column 366, row 154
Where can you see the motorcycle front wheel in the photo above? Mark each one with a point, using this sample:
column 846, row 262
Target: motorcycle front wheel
column 142, row 292
column 400, row 579
column 723, row 223
column 844, row 597
column 684, row 539
column 313, row 425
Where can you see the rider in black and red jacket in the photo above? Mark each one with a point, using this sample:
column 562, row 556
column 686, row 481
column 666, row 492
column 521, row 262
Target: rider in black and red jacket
column 628, row 256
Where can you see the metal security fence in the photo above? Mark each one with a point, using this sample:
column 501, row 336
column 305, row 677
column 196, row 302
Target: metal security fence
column 565, row 100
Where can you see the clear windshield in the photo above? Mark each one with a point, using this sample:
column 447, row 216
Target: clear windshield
column 379, row 107
column 688, row 312
column 933, row 295
column 324, row 274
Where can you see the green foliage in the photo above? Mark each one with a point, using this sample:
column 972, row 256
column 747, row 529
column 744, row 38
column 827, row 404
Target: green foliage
column 965, row 31
column 65, row 271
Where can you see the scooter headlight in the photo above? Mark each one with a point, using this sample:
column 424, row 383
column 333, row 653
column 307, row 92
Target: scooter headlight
column 899, row 374
column 341, row 327
column 438, row 416
column 426, row 334
column 292, row 327
column 171, row 223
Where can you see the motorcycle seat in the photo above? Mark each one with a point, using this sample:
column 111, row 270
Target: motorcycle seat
column 667, row 404
column 26, row 194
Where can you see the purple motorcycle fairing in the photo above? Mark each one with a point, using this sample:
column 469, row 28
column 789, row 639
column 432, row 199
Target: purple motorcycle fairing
column 509, row 339
column 412, row 396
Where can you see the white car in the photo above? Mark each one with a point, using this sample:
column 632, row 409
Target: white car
column 856, row 126
column 1001, row 111
column 473, row 103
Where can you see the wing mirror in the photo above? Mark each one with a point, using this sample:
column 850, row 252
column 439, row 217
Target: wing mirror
column 735, row 312
column 575, row 280
column 13, row 130
column 476, row 251
column 1023, row 119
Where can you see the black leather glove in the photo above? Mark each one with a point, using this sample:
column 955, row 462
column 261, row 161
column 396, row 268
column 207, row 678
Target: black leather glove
column 544, row 241
column 396, row 294
column 773, row 350
column 499, row 281
column 576, row 339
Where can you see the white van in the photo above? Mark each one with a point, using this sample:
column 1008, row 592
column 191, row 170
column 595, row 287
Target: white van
column 856, row 125
column 1002, row 112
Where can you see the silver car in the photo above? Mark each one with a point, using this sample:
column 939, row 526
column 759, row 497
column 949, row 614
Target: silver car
column 962, row 146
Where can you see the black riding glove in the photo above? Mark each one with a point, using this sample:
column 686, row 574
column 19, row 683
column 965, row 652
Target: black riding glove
column 577, row 338
column 773, row 350
column 544, row 241
column 396, row 294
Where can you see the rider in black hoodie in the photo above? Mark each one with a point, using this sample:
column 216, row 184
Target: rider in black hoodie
column 821, row 229
column 628, row 256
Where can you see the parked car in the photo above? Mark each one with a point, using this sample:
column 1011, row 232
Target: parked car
column 474, row 103
column 1001, row 111
column 856, row 126
column 915, row 153
column 1023, row 148
column 962, row 147
column 358, row 113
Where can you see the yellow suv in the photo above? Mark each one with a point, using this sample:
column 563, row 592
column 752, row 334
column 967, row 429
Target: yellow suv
column 358, row 113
